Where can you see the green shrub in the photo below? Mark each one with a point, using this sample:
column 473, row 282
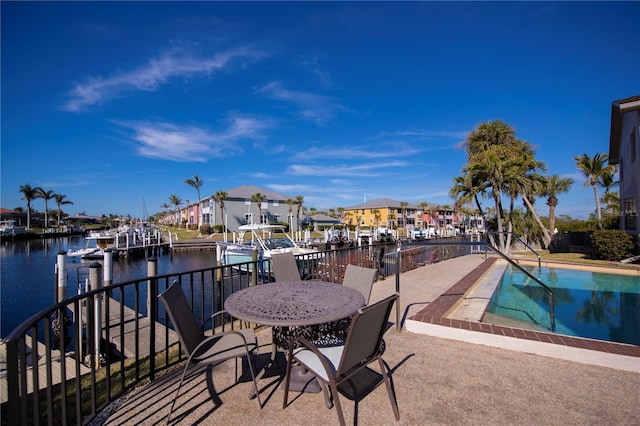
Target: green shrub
column 205, row 230
column 612, row 244
column 218, row 228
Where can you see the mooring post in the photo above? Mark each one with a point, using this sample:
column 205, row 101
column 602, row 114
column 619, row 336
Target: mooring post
column 108, row 267
column 254, row 260
column 152, row 271
column 95, row 280
column 61, row 270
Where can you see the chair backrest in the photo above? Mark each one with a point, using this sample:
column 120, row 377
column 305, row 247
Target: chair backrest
column 285, row 267
column 360, row 279
column 181, row 317
column 365, row 334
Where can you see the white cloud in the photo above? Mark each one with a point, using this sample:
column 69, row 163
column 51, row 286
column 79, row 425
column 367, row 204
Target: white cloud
column 368, row 152
column 362, row 170
column 172, row 63
column 318, row 109
column 188, row 143
column 289, row 189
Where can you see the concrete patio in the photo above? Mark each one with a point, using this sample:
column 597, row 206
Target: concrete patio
column 438, row 380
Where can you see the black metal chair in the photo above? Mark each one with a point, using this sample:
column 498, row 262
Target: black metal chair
column 344, row 368
column 202, row 350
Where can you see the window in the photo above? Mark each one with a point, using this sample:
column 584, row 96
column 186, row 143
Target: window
column 630, row 213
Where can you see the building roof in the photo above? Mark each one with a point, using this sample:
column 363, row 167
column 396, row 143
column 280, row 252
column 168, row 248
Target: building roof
column 618, row 108
column 384, row 203
column 246, row 191
column 323, row 218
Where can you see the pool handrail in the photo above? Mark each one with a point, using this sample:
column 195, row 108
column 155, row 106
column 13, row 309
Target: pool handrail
column 523, row 243
column 485, row 245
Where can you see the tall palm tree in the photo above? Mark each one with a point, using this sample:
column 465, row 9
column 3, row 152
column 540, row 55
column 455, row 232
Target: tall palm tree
column 60, row 201
column 498, row 163
column 608, row 179
column 165, row 208
column 196, row 182
column 555, row 185
column 593, row 169
column 258, row 198
column 176, row 201
column 403, row 207
column 290, row 202
column 29, row 194
column 423, row 208
column 221, row 196
column 299, row 200
column 46, row 196
column 376, row 216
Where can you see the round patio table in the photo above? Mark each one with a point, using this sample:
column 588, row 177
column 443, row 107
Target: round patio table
column 294, row 303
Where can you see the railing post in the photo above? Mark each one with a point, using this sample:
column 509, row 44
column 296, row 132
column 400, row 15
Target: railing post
column 96, row 283
column 398, row 269
column 13, row 386
column 152, row 312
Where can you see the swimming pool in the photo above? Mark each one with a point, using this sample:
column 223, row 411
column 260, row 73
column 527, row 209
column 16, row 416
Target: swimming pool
column 588, row 304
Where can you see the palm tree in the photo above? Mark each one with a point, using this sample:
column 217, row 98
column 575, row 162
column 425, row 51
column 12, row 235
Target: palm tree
column 499, row 163
column 608, row 179
column 347, row 219
column 196, row 182
column 60, row 201
column 221, row 196
column 299, row 200
column 403, row 206
column 46, row 196
column 376, row 216
column 423, row 208
column 176, row 201
column 290, row 202
column 594, row 169
column 29, row 194
column 555, row 185
column 258, row 198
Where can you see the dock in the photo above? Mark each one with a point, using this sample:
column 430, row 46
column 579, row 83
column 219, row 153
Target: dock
column 56, row 360
column 117, row 334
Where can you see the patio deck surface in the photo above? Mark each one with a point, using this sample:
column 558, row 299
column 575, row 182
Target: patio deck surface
column 443, row 371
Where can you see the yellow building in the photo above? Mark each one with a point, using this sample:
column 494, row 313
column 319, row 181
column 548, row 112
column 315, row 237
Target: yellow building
column 383, row 212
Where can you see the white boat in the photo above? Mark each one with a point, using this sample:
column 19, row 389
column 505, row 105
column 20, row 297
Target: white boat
column 119, row 240
column 265, row 240
column 8, row 227
column 82, row 252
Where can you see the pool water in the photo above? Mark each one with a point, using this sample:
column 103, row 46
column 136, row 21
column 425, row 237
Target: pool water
column 587, row 304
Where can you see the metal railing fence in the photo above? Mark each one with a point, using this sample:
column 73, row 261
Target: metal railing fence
column 71, row 360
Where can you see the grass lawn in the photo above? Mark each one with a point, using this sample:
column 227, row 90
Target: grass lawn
column 579, row 258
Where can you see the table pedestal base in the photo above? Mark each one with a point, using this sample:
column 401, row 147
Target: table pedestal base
column 303, row 381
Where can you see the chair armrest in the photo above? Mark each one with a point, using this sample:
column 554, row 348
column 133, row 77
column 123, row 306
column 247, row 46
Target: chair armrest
column 329, row 369
column 222, row 313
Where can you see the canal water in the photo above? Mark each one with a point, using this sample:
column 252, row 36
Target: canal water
column 27, row 280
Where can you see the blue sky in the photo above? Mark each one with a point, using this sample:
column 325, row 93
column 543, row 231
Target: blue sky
column 115, row 103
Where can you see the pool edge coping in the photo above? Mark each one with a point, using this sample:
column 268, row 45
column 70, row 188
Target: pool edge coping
column 433, row 319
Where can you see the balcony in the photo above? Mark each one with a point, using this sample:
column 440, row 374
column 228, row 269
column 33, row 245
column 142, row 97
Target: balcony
column 444, row 371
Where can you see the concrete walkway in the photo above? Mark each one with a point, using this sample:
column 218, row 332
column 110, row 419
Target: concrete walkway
column 437, row 380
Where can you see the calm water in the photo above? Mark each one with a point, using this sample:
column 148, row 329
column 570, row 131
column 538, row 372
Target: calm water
column 27, row 280
column 587, row 304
